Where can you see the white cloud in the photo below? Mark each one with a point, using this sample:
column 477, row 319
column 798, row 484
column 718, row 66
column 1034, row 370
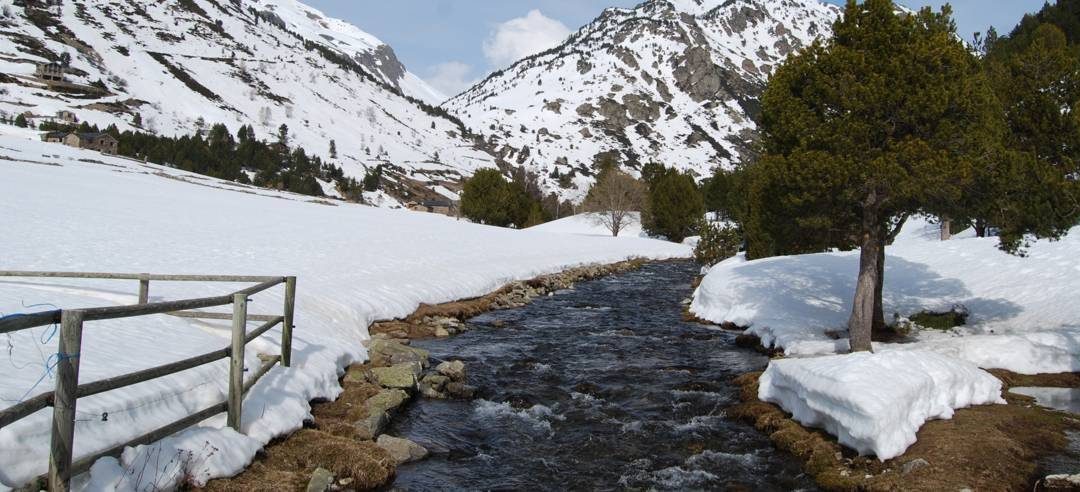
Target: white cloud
column 450, row 78
column 517, row 38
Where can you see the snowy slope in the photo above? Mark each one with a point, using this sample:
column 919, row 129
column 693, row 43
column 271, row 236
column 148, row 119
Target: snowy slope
column 671, row 81
column 587, row 225
column 259, row 62
column 355, row 264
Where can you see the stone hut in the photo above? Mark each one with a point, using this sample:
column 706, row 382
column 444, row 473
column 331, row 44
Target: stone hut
column 101, row 142
column 54, row 137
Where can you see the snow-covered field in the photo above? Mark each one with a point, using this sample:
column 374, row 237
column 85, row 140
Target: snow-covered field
column 1023, row 317
column 67, row 209
column 586, row 224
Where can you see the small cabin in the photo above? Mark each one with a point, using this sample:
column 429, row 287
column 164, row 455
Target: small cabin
column 101, row 142
column 54, row 137
column 442, row 207
column 50, row 72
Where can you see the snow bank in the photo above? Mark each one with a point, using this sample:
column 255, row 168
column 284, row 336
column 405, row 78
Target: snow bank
column 67, row 209
column 875, row 403
column 1022, row 309
column 586, row 224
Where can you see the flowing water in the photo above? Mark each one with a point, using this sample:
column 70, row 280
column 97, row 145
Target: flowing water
column 598, row 387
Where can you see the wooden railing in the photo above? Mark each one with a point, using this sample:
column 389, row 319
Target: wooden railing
column 64, row 397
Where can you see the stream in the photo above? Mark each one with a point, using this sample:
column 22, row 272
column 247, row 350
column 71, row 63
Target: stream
column 598, row 387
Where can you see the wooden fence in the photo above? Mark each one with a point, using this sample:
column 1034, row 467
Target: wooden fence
column 64, row 397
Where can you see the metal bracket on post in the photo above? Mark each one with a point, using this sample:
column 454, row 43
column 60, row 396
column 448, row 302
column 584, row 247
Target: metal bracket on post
column 287, row 323
column 236, row 357
column 64, row 399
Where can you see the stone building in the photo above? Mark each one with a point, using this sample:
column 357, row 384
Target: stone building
column 101, row 142
column 50, row 72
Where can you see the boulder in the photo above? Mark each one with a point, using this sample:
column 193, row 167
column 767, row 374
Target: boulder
column 401, row 376
column 372, row 425
column 401, row 450
column 457, row 389
column 321, row 480
column 455, row 370
column 386, row 401
column 432, row 385
column 389, row 351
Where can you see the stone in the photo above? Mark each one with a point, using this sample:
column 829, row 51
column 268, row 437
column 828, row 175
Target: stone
column 400, row 376
column 913, row 465
column 370, row 426
column 401, row 450
column 437, row 381
column 386, row 401
column 321, row 480
column 457, row 389
column 441, row 332
column 455, row 370
column 390, row 349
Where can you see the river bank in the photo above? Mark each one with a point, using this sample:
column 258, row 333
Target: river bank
column 343, row 447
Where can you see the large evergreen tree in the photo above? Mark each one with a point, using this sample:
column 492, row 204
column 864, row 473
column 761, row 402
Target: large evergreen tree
column 891, row 117
column 488, row 199
column 675, row 206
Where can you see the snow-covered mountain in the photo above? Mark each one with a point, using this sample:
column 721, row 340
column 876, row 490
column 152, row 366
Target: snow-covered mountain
column 671, row 81
column 184, row 64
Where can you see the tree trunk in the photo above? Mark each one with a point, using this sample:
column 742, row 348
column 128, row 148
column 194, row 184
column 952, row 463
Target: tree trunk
column 867, row 293
column 879, row 325
column 616, row 225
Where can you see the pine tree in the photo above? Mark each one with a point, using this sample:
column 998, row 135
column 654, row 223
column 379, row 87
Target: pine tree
column 21, row 122
column 333, row 149
column 675, row 206
column 889, row 118
column 487, row 198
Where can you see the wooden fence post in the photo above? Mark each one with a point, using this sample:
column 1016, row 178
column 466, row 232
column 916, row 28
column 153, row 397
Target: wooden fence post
column 144, row 288
column 64, row 399
column 236, row 368
column 287, row 326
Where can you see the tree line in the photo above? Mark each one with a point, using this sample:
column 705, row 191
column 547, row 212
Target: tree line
column 242, row 158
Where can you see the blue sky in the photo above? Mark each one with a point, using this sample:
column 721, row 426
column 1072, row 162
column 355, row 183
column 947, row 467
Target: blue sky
column 452, row 43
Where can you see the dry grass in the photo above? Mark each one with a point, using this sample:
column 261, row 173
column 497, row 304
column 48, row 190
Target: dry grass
column 990, row 447
column 334, row 445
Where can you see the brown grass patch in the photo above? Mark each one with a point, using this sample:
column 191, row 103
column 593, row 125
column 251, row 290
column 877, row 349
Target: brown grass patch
column 989, row 447
column 1063, row 380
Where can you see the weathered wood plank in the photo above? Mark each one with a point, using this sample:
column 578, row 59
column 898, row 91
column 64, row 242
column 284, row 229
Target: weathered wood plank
column 255, row 289
column 236, row 368
column 137, row 276
column 144, row 288
column 137, row 377
column 17, row 411
column 265, row 327
column 67, row 384
column 16, row 322
column 287, row 326
column 206, row 315
column 116, row 312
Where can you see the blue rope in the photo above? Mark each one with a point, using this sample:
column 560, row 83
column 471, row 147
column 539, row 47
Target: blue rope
column 46, row 337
